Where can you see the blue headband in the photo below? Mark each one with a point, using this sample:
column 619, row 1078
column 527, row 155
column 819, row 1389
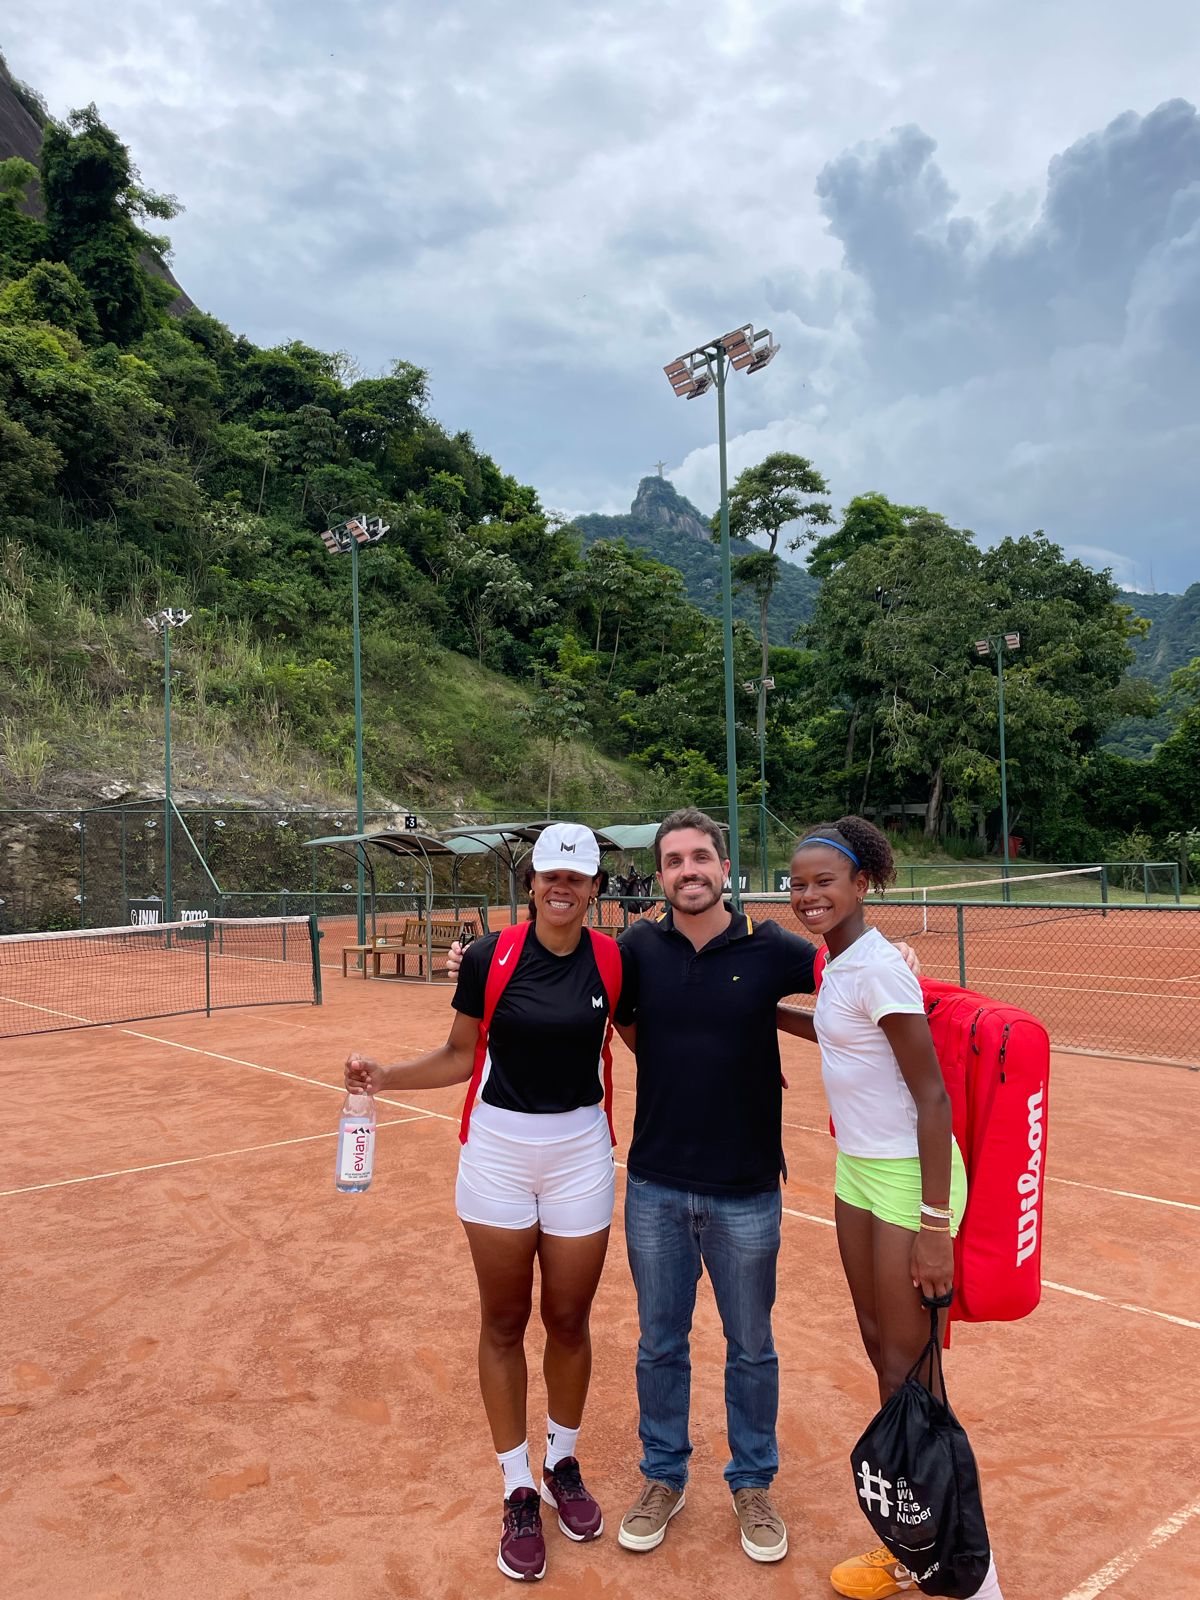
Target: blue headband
column 819, row 838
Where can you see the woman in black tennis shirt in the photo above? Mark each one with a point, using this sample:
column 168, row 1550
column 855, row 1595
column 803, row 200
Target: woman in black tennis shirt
column 535, row 1174
column 545, row 1040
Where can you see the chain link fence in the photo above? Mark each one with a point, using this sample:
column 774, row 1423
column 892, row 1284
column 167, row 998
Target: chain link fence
column 1113, row 979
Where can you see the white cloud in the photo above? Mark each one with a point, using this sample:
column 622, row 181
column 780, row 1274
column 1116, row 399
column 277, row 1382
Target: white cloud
column 544, row 204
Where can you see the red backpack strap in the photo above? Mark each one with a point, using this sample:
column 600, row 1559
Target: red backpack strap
column 504, row 962
column 608, row 963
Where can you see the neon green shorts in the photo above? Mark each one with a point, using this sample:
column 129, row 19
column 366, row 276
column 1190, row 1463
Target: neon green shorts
column 890, row 1188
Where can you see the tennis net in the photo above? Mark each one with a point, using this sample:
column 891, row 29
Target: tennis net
column 92, row 977
column 1075, row 886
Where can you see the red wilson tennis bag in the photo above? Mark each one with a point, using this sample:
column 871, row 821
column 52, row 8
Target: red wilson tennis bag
column 918, row 1485
column 504, row 963
column 995, row 1061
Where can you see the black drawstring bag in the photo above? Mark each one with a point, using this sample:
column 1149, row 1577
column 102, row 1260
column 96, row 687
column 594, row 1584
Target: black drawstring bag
column 915, row 1474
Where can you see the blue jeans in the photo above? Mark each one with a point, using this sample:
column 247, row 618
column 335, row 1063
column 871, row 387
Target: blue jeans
column 671, row 1235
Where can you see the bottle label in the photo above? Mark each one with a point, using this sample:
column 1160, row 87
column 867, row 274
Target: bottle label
column 356, row 1150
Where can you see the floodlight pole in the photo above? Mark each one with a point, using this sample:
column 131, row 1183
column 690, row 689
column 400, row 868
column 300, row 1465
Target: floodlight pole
column 345, row 540
column 718, row 368
column 1003, row 772
column 998, row 643
column 168, row 898
column 361, row 849
column 690, row 375
column 163, row 622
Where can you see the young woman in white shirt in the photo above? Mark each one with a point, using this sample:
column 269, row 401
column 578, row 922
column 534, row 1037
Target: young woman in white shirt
column 901, row 1185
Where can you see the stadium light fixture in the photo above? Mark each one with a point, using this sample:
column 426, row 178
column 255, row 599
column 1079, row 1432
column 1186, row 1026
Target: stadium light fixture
column 999, row 643
column 691, row 375
column 347, row 538
column 164, row 623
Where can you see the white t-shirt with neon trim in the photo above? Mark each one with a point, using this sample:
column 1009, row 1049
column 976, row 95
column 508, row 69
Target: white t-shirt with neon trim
column 873, row 1112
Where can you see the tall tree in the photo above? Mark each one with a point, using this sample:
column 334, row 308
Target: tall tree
column 94, row 207
column 556, row 712
column 766, row 499
column 895, row 628
column 869, row 519
column 489, row 587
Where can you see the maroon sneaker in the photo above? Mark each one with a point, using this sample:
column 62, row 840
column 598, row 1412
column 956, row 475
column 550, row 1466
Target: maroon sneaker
column 579, row 1516
column 522, row 1548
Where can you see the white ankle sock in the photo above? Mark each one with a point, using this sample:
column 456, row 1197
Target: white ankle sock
column 560, row 1442
column 514, row 1464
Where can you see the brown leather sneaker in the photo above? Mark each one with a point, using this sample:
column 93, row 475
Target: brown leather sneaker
column 644, row 1525
column 764, row 1537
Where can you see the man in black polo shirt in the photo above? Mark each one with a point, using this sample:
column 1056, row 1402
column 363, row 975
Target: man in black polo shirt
column 701, row 986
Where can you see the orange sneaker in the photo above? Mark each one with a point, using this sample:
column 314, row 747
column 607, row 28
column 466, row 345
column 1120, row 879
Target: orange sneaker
column 873, row 1576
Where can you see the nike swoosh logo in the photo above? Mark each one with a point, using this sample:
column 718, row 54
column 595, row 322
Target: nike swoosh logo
column 502, row 961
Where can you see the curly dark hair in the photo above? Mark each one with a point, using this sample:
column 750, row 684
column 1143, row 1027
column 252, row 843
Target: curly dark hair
column 600, row 880
column 868, row 844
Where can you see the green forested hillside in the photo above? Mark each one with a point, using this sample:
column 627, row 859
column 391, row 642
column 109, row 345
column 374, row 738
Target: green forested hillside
column 1171, row 641
column 151, row 456
column 668, row 527
column 1174, row 636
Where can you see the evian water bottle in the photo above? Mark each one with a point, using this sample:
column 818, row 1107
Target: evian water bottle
column 356, row 1144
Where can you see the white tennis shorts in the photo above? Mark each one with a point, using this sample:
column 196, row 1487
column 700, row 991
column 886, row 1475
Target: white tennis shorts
column 557, row 1171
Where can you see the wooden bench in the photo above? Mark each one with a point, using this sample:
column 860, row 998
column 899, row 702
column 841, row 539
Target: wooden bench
column 398, row 942
column 368, row 956
column 436, row 935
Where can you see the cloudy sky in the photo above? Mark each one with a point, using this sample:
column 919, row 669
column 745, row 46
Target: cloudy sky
column 974, row 229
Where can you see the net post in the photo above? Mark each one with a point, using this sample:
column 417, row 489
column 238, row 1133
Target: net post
column 962, row 946
column 1175, row 880
column 1104, row 886
column 207, row 969
column 82, row 868
column 314, row 936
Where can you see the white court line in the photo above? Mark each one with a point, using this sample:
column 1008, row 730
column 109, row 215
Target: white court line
column 1113, row 1570
column 1119, row 1305
column 190, row 1161
column 807, row 1216
column 1062, row 1288
column 1092, row 989
column 278, row 1072
column 1125, row 1194
column 49, row 1011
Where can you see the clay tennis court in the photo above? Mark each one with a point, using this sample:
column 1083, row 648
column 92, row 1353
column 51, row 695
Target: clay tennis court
column 222, row 1378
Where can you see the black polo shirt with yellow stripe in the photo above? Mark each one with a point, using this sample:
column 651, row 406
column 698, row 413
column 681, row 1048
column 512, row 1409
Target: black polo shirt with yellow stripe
column 709, row 1098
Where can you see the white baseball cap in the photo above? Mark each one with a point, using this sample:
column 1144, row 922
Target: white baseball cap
column 567, row 847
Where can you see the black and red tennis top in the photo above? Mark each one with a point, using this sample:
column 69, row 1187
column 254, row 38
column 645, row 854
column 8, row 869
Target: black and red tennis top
column 544, row 1044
